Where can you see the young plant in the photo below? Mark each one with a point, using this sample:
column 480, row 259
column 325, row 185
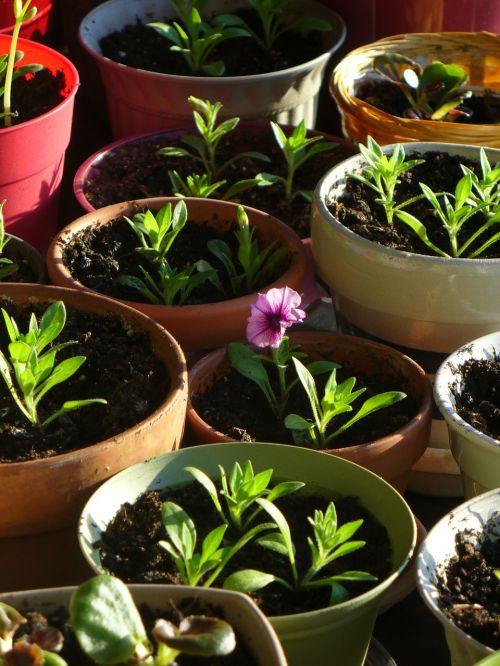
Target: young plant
column 337, row 399
column 276, row 18
column 194, row 566
column 36, row 649
column 296, row 149
column 329, row 542
column 240, row 492
column 382, row 174
column 199, row 186
column 485, row 188
column 35, row 372
column 432, row 92
column 204, row 147
column 109, row 629
column 7, row 266
column 8, row 72
column 195, row 39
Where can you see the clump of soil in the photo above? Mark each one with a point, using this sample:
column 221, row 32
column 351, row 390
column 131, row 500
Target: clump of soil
column 98, row 256
column 129, row 545
column 469, row 588
column 478, row 399
column 120, row 367
column 356, row 207
column 36, row 93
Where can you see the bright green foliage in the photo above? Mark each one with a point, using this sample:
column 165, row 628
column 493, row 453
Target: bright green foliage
column 199, row 186
column 157, row 233
column 7, row 266
column 35, row 372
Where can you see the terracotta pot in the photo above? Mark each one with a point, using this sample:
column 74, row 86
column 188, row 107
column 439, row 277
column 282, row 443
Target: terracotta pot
column 142, row 101
column 36, row 28
column 391, row 457
column 426, row 306
column 30, row 179
column 243, row 615
column 194, row 326
column 47, row 493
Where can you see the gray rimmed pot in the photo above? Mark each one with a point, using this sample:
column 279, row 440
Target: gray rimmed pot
column 425, row 306
column 477, row 454
column 142, row 101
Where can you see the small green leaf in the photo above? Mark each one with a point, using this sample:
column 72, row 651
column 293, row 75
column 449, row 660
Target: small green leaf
column 248, row 580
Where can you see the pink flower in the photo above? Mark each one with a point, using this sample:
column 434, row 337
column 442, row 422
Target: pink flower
column 271, row 314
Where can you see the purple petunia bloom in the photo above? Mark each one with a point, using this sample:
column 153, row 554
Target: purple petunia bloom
column 271, row 314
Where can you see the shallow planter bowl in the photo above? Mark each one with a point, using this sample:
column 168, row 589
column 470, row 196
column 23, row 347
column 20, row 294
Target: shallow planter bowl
column 477, row 454
column 314, row 636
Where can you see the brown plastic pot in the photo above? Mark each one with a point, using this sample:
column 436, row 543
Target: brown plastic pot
column 48, row 493
column 391, row 457
column 194, row 326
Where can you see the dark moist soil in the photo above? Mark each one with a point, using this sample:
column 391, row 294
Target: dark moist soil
column 129, row 546
column 71, row 652
column 142, row 47
column 97, row 257
column 120, row 367
column 480, row 109
column 357, row 209
column 36, row 93
column 25, row 271
column 478, row 401
column 136, row 171
column 251, row 419
column 469, row 590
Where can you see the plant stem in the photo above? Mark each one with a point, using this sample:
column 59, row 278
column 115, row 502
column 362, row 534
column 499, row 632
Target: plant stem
column 7, row 101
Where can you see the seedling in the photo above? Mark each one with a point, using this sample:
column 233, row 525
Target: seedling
column 485, row 189
column 329, row 543
column 432, row 92
column 195, row 39
column 199, row 186
column 7, row 266
column 337, row 399
column 34, row 372
column 296, row 149
column 110, row 630
column 8, row 72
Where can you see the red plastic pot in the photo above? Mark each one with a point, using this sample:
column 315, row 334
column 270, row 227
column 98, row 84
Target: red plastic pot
column 37, row 28
column 32, row 155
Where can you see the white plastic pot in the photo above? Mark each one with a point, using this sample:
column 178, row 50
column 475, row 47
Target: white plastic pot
column 141, row 101
column 477, row 454
column 437, row 549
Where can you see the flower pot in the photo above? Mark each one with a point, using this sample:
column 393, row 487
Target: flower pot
column 477, row 454
column 476, row 52
column 244, row 616
column 426, row 306
column 47, row 494
column 141, row 101
column 30, row 178
column 391, row 457
column 36, row 28
column 21, row 251
column 343, row 630
column 194, row 326
column 437, row 549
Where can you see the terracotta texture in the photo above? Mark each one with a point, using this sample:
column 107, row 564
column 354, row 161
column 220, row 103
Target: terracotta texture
column 194, row 326
column 48, row 493
column 390, row 457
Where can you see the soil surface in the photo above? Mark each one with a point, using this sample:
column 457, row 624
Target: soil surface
column 130, row 550
column 97, row 257
column 480, row 109
column 355, row 207
column 36, row 93
column 140, row 46
column 120, row 367
column 136, row 171
column 478, row 401
column 251, row 418
column 242, row 655
column 469, row 589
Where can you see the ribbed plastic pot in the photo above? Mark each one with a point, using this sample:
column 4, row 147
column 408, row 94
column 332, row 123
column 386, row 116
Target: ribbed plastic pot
column 477, row 454
column 142, row 101
column 32, row 153
column 312, row 637
column 194, row 326
column 36, row 28
column 438, row 547
column 426, row 306
column 243, row 615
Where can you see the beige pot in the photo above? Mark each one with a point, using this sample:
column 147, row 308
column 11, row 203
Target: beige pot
column 194, row 326
column 47, row 494
column 426, row 306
